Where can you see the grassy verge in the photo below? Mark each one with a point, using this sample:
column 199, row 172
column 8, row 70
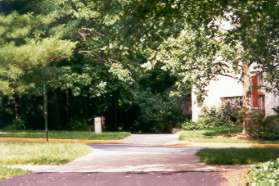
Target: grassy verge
column 37, row 154
column 231, row 156
column 87, row 135
column 218, row 134
column 8, row 173
column 40, row 153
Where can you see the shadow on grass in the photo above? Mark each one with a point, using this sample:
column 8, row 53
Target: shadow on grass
column 237, row 156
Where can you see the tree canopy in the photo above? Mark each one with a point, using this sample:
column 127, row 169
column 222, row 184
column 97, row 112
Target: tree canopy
column 133, row 57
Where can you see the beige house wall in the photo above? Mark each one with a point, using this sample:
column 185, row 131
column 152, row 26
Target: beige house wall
column 224, row 86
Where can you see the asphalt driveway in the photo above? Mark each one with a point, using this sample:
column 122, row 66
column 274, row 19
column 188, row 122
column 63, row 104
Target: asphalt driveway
column 131, row 158
column 132, row 164
column 117, row 179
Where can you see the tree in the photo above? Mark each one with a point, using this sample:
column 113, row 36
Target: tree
column 24, row 49
column 117, row 42
column 249, row 41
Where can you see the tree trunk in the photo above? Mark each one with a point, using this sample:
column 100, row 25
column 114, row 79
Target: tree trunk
column 246, row 100
column 16, row 106
column 45, row 109
column 115, row 113
column 67, row 105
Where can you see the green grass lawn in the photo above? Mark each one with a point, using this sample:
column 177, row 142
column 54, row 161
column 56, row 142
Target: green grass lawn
column 217, row 135
column 265, row 173
column 8, row 172
column 40, row 153
column 67, row 135
column 37, row 154
column 231, row 156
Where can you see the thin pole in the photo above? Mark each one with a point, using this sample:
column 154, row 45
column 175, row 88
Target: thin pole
column 45, row 109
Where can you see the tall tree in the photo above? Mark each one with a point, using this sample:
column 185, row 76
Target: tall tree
column 25, row 47
column 222, row 38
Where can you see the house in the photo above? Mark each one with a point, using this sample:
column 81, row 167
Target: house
column 227, row 89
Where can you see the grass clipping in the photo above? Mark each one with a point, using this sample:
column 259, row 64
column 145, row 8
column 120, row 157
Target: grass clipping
column 40, row 153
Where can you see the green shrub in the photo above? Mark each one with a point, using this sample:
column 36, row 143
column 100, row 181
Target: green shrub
column 232, row 113
column 78, row 124
column 204, row 123
column 271, row 127
column 16, row 124
column 263, row 127
column 190, row 125
column 210, row 119
column 255, row 126
column 265, row 173
column 276, row 109
column 158, row 113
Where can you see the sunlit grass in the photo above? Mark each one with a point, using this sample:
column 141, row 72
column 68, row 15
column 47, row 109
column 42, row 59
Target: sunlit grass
column 215, row 135
column 40, row 153
column 88, row 135
column 8, row 172
column 219, row 135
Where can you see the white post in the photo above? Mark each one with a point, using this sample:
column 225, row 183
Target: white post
column 98, row 125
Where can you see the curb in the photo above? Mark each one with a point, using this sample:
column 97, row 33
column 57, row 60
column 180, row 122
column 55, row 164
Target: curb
column 233, row 145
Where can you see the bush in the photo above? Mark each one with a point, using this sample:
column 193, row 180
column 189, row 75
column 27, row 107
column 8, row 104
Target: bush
column 263, row 127
column 158, row 113
column 265, row 173
column 231, row 113
column 210, row 119
column 16, row 124
column 190, row 125
column 204, row 123
column 271, row 127
column 276, row 109
column 255, row 126
column 78, row 124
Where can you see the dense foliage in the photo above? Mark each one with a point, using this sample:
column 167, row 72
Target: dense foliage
column 126, row 60
column 264, row 127
column 265, row 174
column 91, row 64
column 226, row 116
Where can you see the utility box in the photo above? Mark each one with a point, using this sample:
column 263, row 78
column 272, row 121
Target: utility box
column 98, row 122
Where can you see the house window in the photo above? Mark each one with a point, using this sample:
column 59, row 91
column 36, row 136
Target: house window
column 234, row 101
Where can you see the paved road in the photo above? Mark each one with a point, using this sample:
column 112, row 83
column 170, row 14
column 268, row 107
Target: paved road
column 153, row 139
column 117, row 179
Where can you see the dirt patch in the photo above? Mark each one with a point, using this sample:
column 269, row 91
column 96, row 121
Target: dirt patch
column 235, row 175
